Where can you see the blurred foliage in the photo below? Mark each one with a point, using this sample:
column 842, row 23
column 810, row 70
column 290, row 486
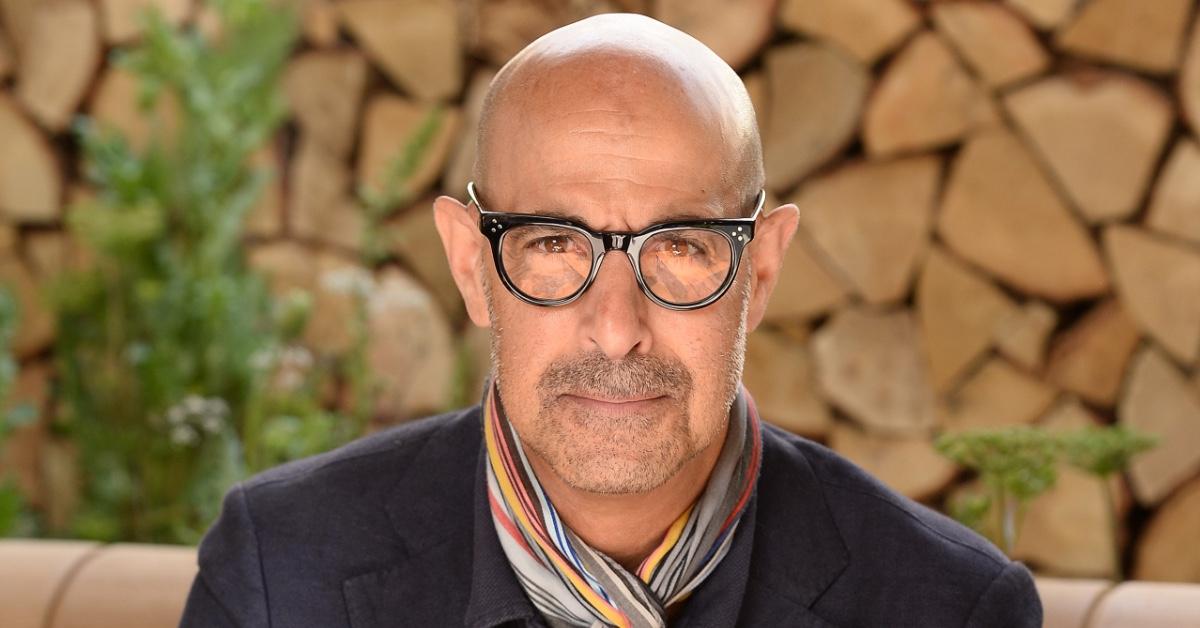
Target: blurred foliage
column 179, row 373
column 1104, row 451
column 396, row 193
column 1017, row 464
column 15, row 515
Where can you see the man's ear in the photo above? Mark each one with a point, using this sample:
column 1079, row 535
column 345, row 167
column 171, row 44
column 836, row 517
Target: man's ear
column 771, row 239
column 459, row 231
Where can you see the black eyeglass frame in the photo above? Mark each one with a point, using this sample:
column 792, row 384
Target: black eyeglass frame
column 737, row 231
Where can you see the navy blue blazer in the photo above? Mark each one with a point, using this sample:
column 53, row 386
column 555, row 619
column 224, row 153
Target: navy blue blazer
column 394, row 530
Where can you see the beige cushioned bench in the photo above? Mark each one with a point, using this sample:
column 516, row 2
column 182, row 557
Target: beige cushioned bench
column 78, row 584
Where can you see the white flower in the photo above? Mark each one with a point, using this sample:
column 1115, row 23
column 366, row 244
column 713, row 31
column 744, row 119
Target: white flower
column 262, row 359
column 193, row 404
column 184, row 435
column 212, row 424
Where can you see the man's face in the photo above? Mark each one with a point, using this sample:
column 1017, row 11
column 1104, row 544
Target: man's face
column 612, row 392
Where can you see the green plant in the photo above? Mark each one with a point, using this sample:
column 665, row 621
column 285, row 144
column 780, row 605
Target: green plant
column 1017, row 464
column 180, row 374
column 1103, row 452
column 15, row 516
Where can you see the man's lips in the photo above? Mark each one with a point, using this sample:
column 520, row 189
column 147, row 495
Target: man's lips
column 604, row 404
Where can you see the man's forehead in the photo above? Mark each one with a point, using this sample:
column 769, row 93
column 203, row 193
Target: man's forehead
column 616, row 114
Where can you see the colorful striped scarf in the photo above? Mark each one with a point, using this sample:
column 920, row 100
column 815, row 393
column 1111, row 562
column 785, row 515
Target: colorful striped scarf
column 573, row 584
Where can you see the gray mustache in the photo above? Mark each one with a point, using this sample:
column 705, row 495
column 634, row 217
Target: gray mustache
column 595, row 374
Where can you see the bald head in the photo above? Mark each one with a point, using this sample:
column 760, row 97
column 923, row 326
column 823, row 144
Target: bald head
column 615, row 107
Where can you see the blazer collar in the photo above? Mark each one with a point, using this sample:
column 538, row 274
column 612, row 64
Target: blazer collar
column 452, row 559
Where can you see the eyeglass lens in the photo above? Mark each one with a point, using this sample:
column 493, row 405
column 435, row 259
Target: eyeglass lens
column 679, row 266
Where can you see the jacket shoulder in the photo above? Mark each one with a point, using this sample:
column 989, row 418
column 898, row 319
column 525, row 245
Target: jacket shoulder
column 392, row 448
column 908, row 564
column 852, row 493
column 288, row 538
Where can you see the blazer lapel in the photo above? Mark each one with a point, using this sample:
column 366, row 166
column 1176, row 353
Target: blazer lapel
column 432, row 513
column 798, row 551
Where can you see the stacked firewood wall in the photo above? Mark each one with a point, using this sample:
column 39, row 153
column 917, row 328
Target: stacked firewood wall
column 1000, row 216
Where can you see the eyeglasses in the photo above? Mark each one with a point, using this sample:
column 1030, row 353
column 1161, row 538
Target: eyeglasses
column 680, row 265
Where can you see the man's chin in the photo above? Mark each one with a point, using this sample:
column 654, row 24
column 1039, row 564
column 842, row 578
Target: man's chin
column 612, row 475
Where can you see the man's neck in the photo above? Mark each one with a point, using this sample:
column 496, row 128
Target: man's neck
column 628, row 527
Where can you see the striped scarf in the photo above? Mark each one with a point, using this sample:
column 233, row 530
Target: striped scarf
column 573, row 584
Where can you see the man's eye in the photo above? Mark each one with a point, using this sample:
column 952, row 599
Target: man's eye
column 683, row 247
column 552, row 244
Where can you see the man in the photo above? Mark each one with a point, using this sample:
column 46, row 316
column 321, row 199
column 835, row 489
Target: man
column 616, row 473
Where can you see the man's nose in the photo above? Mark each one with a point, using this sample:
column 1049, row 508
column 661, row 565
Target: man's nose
column 615, row 310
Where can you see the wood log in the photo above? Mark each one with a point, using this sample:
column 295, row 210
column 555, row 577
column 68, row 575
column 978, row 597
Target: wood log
column 35, row 329
column 9, row 239
column 1022, row 336
column 1189, row 79
column 30, row 178
column 870, row 365
column 412, row 236
column 319, row 23
column 1141, row 35
column 8, row 61
column 1090, row 358
column 57, row 63
column 411, row 341
column 806, row 132
column 388, row 126
column 51, row 253
column 1000, row 212
column 18, row 20
column 1047, row 15
column 779, row 373
column 1158, row 400
column 867, row 29
column 1100, row 134
column 501, row 28
column 807, row 286
column 1066, row 530
column 115, row 106
column 1167, row 550
column 872, row 221
column 1158, row 282
column 414, row 42
column 1175, row 205
column 997, row 395
column 289, row 265
column 320, row 207
column 992, row 40
column 908, row 465
column 959, row 311
column 925, row 99
column 736, row 31
column 325, row 90
column 462, row 160
column 756, row 88
column 123, row 18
